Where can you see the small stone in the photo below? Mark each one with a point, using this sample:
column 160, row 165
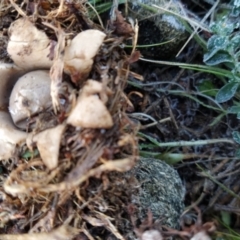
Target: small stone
column 151, row 186
column 158, row 189
column 157, row 28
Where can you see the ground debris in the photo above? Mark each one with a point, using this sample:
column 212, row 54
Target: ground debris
column 56, row 192
column 60, row 233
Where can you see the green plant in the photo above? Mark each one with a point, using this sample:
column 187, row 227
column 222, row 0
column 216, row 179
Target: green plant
column 223, row 48
column 227, row 232
column 222, row 54
column 222, row 58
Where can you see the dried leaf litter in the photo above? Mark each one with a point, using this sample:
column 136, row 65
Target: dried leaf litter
column 66, row 186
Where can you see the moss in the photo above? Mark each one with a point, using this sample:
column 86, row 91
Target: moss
column 160, row 190
column 152, row 185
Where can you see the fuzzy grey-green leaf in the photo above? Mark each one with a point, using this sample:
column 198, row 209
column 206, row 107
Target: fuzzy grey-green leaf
column 227, row 92
column 220, row 57
column 234, row 109
column 236, row 136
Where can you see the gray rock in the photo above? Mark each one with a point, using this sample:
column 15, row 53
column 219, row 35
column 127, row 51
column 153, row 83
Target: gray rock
column 158, row 27
column 152, row 185
column 159, row 189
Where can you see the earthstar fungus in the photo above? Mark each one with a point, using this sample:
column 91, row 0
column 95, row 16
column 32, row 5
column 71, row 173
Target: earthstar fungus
column 90, row 110
column 79, row 54
column 48, row 143
column 30, row 96
column 28, row 46
column 10, row 136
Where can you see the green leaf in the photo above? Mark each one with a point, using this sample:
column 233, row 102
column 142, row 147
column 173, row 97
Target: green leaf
column 217, row 119
column 236, row 41
column 237, row 153
column 234, row 109
column 148, row 154
column 219, row 57
column 151, row 139
column 236, row 136
column 235, row 76
column 227, row 92
column 28, row 154
column 223, row 27
column 215, row 44
column 171, row 158
column 226, row 217
column 207, row 87
column 148, row 146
